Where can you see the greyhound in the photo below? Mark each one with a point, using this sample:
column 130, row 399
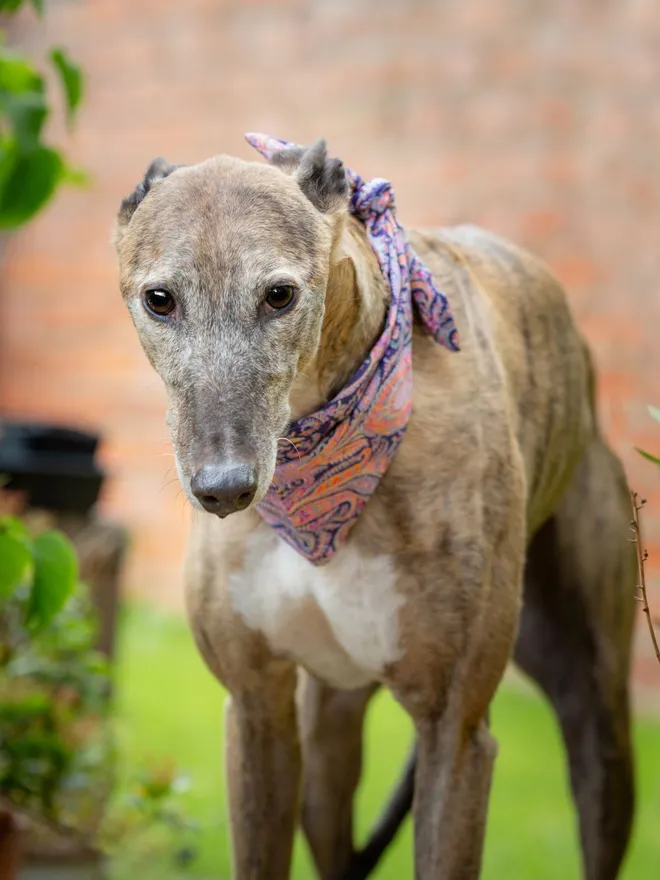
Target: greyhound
column 498, row 530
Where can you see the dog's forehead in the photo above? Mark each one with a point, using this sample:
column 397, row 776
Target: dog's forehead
column 225, row 208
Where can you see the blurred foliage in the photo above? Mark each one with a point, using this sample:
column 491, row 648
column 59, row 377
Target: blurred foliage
column 40, row 573
column 56, row 744
column 57, row 756
column 31, row 170
column 146, row 822
column 50, row 677
column 53, row 685
column 56, row 741
column 655, row 414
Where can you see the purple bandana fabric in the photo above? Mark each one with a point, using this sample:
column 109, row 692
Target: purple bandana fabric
column 338, row 454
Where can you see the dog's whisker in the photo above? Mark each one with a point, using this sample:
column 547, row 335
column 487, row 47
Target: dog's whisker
column 288, row 440
column 304, row 375
column 168, row 472
column 166, row 486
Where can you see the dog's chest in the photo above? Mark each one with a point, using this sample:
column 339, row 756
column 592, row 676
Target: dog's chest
column 339, row 621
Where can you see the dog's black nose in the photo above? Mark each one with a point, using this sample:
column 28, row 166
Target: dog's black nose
column 224, row 488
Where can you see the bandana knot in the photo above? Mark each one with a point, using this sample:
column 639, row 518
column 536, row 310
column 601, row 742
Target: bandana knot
column 339, row 453
column 371, row 198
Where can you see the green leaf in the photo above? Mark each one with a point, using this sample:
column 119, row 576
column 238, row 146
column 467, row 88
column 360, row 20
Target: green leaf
column 8, row 156
column 27, row 112
column 15, row 5
column 15, row 560
column 28, row 180
column 16, row 529
column 11, row 5
column 71, row 78
column 18, row 75
column 55, row 577
column 655, row 413
column 76, row 176
column 648, row 455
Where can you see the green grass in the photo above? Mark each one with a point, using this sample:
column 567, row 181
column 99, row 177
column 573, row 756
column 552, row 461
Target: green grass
column 169, row 706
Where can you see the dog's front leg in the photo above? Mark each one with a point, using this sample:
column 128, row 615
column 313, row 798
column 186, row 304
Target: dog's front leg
column 263, row 769
column 452, row 785
column 263, row 762
column 446, row 681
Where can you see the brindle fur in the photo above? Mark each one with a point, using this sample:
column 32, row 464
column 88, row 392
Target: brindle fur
column 504, row 512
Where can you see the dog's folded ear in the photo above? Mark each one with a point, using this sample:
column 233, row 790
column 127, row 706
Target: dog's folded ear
column 321, row 179
column 157, row 171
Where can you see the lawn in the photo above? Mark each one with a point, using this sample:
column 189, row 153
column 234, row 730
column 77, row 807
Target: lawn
column 169, row 707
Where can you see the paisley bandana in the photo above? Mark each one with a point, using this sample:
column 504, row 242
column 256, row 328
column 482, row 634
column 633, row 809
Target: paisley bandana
column 337, row 455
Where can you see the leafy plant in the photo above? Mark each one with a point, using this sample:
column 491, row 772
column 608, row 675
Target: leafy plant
column 56, row 738
column 56, row 745
column 147, row 820
column 31, row 169
column 655, row 414
column 39, row 574
column 42, row 571
column 51, row 679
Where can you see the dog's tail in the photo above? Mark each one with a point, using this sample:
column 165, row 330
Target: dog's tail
column 400, row 803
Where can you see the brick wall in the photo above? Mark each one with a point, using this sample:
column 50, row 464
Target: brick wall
column 538, row 119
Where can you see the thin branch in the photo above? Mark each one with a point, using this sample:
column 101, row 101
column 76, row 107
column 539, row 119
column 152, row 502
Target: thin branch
column 641, row 558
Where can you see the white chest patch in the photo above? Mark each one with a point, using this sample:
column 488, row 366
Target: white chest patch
column 339, row 621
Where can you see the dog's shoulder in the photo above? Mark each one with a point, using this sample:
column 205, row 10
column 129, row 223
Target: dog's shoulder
column 509, row 292
column 515, row 321
column 495, row 261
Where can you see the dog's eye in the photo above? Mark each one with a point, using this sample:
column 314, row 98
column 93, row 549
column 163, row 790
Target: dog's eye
column 280, row 296
column 159, row 302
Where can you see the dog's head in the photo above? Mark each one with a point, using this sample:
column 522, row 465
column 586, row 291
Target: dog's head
column 224, row 268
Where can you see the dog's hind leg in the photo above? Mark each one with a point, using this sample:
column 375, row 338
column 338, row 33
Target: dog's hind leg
column 331, row 732
column 397, row 808
column 574, row 640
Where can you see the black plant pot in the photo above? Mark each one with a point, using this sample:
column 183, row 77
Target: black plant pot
column 53, row 465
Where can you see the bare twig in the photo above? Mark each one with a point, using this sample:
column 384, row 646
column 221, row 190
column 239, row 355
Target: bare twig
column 642, row 554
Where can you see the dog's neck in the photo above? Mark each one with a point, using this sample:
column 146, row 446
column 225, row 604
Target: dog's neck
column 356, row 302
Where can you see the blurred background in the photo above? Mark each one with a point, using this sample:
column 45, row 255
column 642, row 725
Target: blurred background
column 539, row 119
